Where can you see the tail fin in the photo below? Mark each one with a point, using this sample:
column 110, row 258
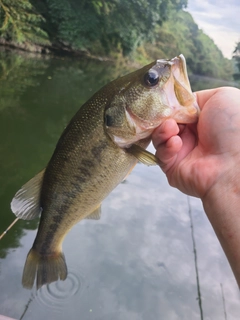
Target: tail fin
column 47, row 269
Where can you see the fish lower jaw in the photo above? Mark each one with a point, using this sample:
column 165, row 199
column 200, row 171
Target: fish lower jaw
column 186, row 115
column 126, row 142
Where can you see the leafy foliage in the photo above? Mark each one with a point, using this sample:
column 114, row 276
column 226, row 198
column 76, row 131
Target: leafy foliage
column 113, row 24
column 20, row 23
column 183, row 36
column 140, row 29
column 236, row 57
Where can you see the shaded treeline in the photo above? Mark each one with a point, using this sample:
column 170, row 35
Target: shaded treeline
column 79, row 25
column 236, row 57
column 141, row 30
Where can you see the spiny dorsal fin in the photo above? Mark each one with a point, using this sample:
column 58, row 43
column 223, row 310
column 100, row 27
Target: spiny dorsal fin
column 143, row 155
column 26, row 202
column 96, row 214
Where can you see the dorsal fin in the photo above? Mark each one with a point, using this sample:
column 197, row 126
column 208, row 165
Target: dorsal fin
column 26, row 202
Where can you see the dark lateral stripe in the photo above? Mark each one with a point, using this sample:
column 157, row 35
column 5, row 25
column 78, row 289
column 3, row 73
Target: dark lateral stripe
column 76, row 186
column 52, row 228
column 82, row 174
column 84, row 171
column 97, row 150
column 87, row 163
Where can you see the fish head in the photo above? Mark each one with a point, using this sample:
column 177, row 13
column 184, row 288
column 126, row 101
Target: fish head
column 142, row 100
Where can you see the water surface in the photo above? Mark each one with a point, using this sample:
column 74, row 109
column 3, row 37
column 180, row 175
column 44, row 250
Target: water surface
column 137, row 261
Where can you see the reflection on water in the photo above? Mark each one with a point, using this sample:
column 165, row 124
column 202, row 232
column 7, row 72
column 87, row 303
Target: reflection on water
column 137, row 261
column 199, row 296
column 61, row 290
column 201, row 83
column 59, row 293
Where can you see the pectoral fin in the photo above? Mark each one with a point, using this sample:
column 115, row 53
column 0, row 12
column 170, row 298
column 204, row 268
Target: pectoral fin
column 143, row 155
column 96, row 214
column 26, row 202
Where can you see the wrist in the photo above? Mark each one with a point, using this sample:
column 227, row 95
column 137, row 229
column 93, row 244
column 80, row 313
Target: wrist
column 221, row 204
column 222, row 200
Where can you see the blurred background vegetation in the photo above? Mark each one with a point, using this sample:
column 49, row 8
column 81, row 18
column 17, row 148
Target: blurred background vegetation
column 41, row 92
column 137, row 30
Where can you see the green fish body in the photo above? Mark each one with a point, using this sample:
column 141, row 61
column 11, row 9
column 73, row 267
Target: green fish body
column 96, row 151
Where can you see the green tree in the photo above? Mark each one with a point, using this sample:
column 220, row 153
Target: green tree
column 107, row 25
column 236, row 58
column 114, row 28
column 20, row 23
column 183, row 36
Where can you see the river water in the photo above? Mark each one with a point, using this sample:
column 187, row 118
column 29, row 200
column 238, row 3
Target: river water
column 137, row 262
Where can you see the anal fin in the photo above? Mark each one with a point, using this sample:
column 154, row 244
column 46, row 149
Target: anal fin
column 96, row 214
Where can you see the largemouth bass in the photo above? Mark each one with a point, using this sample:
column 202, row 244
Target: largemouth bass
column 99, row 147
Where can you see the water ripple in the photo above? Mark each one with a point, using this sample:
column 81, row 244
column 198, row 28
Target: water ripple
column 58, row 293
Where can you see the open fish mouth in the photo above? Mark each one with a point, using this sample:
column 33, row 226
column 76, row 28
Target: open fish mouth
column 177, row 96
column 166, row 94
column 179, row 70
column 181, row 99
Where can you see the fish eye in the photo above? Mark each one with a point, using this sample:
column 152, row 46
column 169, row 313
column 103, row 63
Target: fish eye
column 151, row 78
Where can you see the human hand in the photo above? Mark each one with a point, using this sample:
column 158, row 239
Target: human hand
column 203, row 160
column 196, row 157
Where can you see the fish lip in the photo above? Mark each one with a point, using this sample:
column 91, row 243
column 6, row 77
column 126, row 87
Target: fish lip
column 180, row 74
column 179, row 64
column 186, row 110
